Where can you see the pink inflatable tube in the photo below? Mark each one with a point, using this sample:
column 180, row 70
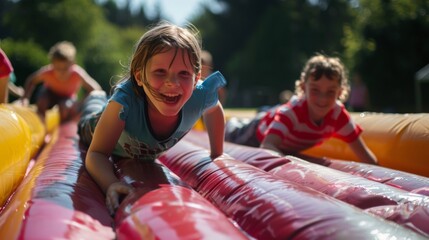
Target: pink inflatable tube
column 163, row 207
column 406, row 181
column 267, row 161
column 268, row 207
column 402, row 207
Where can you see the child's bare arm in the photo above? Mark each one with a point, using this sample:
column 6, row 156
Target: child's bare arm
column 17, row 91
column 214, row 120
column 31, row 82
column 97, row 160
column 272, row 142
column 3, row 89
column 88, row 83
column 362, row 151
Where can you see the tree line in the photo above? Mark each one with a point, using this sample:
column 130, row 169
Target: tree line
column 260, row 46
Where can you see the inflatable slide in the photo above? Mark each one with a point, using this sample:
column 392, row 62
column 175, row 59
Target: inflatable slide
column 248, row 193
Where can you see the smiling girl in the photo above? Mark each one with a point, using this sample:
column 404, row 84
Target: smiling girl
column 314, row 114
column 152, row 108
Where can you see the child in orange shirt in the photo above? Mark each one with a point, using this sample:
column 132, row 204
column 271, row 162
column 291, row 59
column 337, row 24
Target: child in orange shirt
column 62, row 80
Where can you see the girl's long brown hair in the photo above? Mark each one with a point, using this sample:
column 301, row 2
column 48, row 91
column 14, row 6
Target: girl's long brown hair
column 161, row 38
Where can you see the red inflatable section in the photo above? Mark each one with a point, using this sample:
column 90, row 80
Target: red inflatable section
column 403, row 207
column 269, row 207
column 406, row 181
column 268, row 160
column 164, row 207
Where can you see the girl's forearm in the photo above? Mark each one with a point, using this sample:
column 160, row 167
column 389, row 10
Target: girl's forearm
column 101, row 170
column 363, row 152
column 215, row 124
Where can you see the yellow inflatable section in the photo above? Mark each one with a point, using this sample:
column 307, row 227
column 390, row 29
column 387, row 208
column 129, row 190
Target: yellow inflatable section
column 15, row 145
column 22, row 136
column 400, row 141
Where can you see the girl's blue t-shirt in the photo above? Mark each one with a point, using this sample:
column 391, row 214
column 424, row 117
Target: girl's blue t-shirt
column 137, row 140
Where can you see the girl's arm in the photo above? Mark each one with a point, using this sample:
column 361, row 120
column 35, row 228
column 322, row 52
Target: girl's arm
column 272, row 142
column 214, row 120
column 362, row 151
column 97, row 161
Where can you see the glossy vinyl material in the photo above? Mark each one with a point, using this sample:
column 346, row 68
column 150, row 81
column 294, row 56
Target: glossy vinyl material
column 15, row 147
column 57, row 199
column 268, row 207
column 410, row 210
column 260, row 158
column 406, row 181
column 268, row 160
column 37, row 128
column 386, row 200
column 164, row 207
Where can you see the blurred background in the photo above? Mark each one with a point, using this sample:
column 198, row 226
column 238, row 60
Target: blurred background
column 260, row 46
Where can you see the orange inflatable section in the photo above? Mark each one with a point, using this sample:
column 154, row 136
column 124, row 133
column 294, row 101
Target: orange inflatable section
column 400, row 141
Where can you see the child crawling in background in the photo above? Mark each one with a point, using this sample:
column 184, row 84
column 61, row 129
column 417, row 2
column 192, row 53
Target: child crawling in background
column 152, row 108
column 314, row 114
column 62, row 80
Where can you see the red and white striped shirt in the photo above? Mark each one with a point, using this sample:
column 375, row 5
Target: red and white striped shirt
column 292, row 123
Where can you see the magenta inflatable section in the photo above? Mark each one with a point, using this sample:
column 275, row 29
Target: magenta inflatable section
column 268, row 207
column 400, row 206
column 175, row 212
column 164, row 207
column 268, row 160
column 405, row 208
column 406, row 181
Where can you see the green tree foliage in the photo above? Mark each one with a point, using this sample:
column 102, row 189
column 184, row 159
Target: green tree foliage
column 392, row 47
column 101, row 46
column 48, row 21
column 26, row 57
column 262, row 45
column 123, row 16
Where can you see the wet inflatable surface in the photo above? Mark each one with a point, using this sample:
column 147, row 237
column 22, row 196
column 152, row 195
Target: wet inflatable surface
column 248, row 193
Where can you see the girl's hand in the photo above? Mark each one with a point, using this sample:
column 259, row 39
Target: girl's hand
column 112, row 195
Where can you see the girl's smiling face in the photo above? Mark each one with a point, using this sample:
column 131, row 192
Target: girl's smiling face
column 170, row 81
column 321, row 96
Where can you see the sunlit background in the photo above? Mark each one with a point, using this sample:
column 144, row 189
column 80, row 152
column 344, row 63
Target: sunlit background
column 260, row 46
column 175, row 11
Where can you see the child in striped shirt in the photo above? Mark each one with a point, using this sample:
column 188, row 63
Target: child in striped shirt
column 314, row 114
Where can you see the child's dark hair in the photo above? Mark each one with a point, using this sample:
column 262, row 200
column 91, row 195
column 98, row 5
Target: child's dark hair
column 322, row 65
column 161, row 38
